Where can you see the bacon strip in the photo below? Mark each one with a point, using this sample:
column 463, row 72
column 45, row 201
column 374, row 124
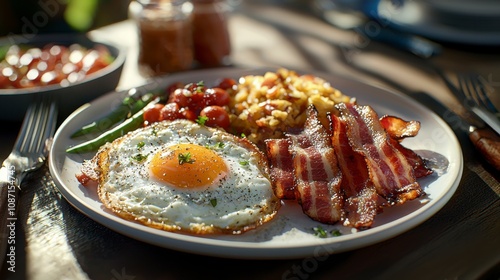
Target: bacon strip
column 317, row 176
column 390, row 171
column 398, row 129
column 361, row 199
column 281, row 168
column 417, row 162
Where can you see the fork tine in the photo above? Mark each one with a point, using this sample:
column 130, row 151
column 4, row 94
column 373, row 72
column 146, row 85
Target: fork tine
column 36, row 130
column 45, row 124
column 464, row 85
column 39, row 126
column 483, row 90
column 475, row 87
column 27, row 127
column 52, row 121
column 36, row 145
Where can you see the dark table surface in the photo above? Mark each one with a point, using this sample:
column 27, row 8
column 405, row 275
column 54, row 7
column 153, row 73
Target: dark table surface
column 461, row 241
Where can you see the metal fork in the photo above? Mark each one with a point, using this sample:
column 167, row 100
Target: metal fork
column 476, row 89
column 464, row 93
column 29, row 153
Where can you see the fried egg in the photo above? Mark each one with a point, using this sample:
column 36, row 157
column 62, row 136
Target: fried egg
column 181, row 176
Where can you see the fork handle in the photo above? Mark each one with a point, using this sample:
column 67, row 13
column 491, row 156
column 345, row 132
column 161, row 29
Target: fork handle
column 9, row 195
column 488, row 143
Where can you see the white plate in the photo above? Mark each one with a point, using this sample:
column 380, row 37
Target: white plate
column 290, row 234
column 465, row 22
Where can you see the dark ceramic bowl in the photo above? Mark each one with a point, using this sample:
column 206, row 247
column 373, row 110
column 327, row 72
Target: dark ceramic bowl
column 14, row 102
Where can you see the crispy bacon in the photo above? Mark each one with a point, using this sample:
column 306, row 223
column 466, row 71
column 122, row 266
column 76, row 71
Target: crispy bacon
column 398, row 128
column 317, row 176
column 348, row 170
column 417, row 162
column 281, row 167
column 390, row 171
column 361, row 199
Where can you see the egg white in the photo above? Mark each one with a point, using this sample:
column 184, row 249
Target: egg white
column 243, row 200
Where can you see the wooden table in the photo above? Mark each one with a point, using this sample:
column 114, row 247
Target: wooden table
column 461, row 241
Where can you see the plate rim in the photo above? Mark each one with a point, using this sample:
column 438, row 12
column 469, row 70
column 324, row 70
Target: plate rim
column 260, row 250
column 439, row 31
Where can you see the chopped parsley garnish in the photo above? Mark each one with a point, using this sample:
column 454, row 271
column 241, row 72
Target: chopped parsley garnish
column 185, row 158
column 139, row 157
column 140, row 144
column 244, row 162
column 320, row 232
column 243, row 135
column 199, row 86
column 153, row 131
column 201, row 120
column 219, row 145
column 336, row 232
column 213, row 202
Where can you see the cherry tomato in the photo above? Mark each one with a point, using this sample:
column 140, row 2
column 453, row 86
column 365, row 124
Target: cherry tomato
column 171, row 111
column 222, row 96
column 209, row 98
column 181, row 97
column 171, row 88
column 227, row 83
column 217, row 117
column 188, row 114
column 152, row 114
column 216, row 96
column 196, row 101
column 195, row 87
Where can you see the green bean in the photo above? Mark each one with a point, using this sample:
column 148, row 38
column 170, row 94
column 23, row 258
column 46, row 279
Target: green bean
column 128, row 125
column 128, row 107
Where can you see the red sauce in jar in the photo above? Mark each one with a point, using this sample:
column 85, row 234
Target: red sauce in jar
column 165, row 46
column 211, row 39
column 165, row 38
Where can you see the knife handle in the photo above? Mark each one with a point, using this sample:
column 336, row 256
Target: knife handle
column 488, row 143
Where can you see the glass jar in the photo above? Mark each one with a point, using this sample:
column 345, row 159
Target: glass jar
column 212, row 45
column 165, row 41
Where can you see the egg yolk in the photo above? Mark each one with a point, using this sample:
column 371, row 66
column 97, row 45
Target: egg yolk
column 188, row 166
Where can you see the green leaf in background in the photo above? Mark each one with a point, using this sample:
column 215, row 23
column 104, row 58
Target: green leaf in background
column 79, row 14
